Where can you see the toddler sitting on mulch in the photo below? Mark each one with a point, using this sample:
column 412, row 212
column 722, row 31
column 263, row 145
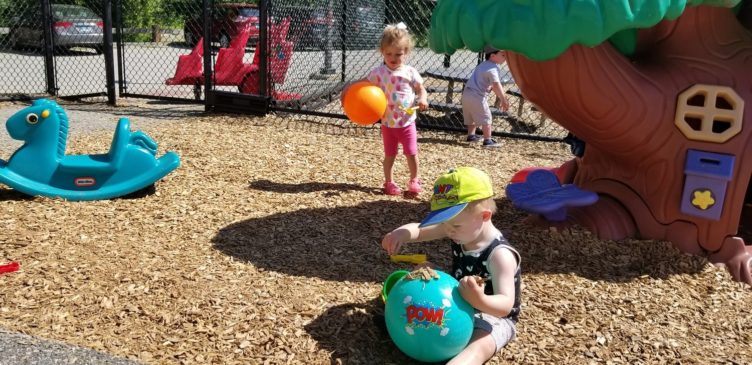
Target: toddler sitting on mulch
column 461, row 209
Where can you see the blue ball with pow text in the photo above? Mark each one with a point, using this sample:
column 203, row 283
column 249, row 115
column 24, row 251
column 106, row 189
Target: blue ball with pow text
column 427, row 319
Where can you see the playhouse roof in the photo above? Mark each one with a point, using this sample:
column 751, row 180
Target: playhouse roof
column 544, row 29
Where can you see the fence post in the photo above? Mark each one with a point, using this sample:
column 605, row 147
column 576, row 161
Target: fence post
column 328, row 69
column 122, row 83
column 109, row 66
column 207, row 15
column 263, row 44
column 49, row 67
column 343, row 40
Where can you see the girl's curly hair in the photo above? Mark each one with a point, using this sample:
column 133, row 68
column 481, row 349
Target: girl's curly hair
column 396, row 35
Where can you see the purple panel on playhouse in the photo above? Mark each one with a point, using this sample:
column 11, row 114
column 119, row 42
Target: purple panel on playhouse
column 707, row 175
column 541, row 193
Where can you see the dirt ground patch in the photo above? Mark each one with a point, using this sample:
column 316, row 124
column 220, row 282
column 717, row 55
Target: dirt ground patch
column 263, row 247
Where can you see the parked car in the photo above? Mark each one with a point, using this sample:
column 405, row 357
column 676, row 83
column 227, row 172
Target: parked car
column 72, row 26
column 227, row 22
column 365, row 26
column 310, row 28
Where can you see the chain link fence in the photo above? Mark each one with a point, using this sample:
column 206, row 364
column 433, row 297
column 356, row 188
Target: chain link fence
column 78, row 43
column 22, row 68
column 164, row 55
column 48, row 47
column 151, row 40
column 313, row 49
column 336, row 43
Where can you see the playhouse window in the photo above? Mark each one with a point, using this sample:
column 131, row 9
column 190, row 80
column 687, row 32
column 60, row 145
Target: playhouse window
column 709, row 113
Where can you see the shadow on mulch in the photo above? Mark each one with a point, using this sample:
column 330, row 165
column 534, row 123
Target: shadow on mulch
column 344, row 243
column 152, row 109
column 331, row 188
column 10, row 194
column 355, row 333
column 578, row 252
column 142, row 193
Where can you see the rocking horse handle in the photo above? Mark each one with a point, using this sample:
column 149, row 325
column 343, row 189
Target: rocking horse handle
column 119, row 143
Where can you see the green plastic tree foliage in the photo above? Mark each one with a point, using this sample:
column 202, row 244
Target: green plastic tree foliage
column 543, row 29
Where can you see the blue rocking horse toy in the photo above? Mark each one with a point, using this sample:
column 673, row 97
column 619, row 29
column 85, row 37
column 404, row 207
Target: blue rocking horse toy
column 40, row 166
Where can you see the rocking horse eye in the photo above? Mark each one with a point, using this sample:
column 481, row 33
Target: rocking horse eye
column 32, row 118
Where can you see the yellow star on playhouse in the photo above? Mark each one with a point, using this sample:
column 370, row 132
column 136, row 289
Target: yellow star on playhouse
column 703, row 199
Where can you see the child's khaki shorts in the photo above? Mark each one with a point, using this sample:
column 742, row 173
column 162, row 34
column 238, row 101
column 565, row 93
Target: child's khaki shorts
column 475, row 110
column 501, row 329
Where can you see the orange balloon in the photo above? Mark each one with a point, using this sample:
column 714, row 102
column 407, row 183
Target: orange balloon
column 364, row 103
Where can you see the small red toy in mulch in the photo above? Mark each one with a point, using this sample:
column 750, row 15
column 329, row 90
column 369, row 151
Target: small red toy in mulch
column 7, row 268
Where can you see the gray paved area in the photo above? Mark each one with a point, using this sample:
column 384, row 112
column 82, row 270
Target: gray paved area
column 20, row 349
column 146, row 66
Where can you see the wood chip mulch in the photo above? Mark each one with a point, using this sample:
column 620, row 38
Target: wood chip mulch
column 264, row 248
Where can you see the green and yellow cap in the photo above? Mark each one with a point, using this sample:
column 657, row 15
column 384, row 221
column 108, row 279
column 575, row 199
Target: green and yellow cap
column 452, row 192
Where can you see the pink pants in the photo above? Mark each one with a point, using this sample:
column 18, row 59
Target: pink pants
column 393, row 137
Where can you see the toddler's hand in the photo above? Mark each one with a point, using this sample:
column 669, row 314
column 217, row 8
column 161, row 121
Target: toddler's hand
column 504, row 104
column 422, row 104
column 393, row 240
column 471, row 290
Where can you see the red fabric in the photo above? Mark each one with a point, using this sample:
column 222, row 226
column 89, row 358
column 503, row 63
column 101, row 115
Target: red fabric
column 279, row 63
column 285, row 96
column 277, row 34
column 521, row 176
column 229, row 68
column 190, row 67
column 8, row 268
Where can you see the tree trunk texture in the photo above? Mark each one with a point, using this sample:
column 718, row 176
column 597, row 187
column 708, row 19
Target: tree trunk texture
column 625, row 108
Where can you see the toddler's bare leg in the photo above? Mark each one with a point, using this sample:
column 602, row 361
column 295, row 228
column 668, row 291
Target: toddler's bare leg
column 486, row 131
column 471, row 129
column 412, row 165
column 481, row 347
column 388, row 164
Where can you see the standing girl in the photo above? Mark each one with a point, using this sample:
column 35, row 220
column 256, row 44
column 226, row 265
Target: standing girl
column 401, row 84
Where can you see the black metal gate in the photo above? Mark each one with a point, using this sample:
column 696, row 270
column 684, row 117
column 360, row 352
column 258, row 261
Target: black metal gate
column 186, row 50
column 149, row 44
